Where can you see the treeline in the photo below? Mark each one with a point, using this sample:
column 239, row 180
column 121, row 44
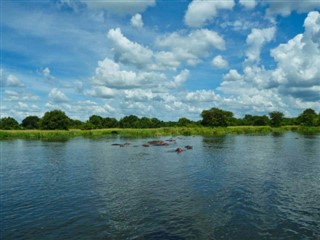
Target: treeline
column 213, row 117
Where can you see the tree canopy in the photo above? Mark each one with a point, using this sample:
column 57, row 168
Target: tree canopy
column 213, row 117
column 216, row 117
column 308, row 118
column 31, row 122
column 276, row 118
column 55, row 119
column 9, row 123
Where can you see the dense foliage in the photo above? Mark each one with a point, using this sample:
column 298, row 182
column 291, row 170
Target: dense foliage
column 276, row 119
column 31, row 122
column 213, row 117
column 9, row 123
column 55, row 119
column 216, row 117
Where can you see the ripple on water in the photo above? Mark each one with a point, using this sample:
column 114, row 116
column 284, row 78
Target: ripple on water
column 232, row 187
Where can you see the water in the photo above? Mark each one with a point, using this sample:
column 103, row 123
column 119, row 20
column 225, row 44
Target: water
column 232, row 187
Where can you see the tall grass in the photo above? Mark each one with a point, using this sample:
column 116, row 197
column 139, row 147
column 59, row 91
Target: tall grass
column 152, row 132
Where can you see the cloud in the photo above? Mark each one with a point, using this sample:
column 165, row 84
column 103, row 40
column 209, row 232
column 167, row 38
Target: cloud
column 126, row 51
column 284, row 8
column 166, row 59
column 109, row 74
column 232, row 75
column 219, row 62
column 249, row 4
column 298, row 62
column 180, row 78
column 292, row 84
column 139, row 95
column 9, row 80
column 112, row 75
column 193, row 47
column 202, row 96
column 180, row 48
column 13, row 81
column 201, row 11
column 57, row 96
column 24, row 107
column 19, row 96
column 46, row 72
column 101, row 91
column 255, row 40
column 136, row 21
column 119, row 7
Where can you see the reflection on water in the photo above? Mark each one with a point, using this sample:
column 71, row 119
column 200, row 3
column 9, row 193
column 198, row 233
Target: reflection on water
column 229, row 187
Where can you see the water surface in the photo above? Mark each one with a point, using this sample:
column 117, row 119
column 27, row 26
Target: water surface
column 231, row 187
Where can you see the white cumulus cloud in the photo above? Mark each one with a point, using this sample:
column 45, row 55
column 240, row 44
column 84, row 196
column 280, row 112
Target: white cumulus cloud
column 201, row 11
column 101, row 91
column 9, row 80
column 249, row 4
column 256, row 39
column 193, row 47
column 110, row 74
column 298, row 62
column 126, row 51
column 285, row 8
column 219, row 62
column 136, row 21
column 57, row 96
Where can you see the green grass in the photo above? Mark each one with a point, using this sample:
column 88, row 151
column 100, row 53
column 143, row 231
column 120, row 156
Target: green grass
column 57, row 135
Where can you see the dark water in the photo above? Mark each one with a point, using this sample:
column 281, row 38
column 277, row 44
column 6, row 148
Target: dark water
column 232, row 187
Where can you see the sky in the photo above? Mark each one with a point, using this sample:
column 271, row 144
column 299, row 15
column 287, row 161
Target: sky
column 163, row 59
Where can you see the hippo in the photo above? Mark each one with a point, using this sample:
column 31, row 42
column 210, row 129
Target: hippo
column 179, row 150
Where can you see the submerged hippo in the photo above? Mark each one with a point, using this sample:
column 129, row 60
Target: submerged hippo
column 158, row 143
column 179, row 150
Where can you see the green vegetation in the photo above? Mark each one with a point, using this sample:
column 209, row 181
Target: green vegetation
column 55, row 119
column 150, row 132
column 276, row 119
column 9, row 123
column 216, row 117
column 31, row 122
column 308, row 118
column 57, row 125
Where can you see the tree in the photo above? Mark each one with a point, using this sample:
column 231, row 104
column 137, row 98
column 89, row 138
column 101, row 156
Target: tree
column 130, row 121
column 184, row 122
column 110, row 122
column 250, row 120
column 144, row 122
column 276, row 119
column 156, row 123
column 75, row 124
column 216, row 117
column 247, row 120
column 308, row 117
column 96, row 121
column 261, row 120
column 55, row 119
column 31, row 122
column 8, row 123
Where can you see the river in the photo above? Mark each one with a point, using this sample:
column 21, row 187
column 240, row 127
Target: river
column 229, row 187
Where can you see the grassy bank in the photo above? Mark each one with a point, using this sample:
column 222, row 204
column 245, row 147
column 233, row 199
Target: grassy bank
column 155, row 132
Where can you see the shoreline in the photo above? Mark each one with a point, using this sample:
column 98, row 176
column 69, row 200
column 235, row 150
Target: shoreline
column 151, row 132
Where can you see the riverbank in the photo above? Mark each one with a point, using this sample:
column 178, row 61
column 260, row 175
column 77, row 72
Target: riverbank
column 154, row 132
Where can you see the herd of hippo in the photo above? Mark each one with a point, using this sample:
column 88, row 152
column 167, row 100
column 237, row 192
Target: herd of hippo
column 156, row 143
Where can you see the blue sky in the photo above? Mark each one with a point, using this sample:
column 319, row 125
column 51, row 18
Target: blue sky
column 164, row 59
